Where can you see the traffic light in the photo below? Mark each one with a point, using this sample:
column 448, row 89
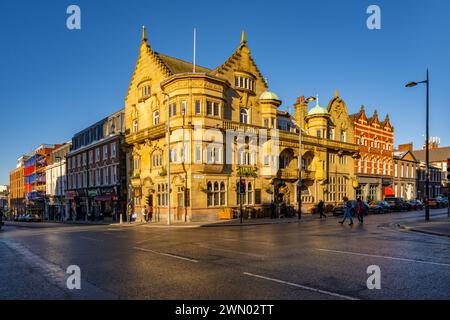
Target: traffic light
column 241, row 186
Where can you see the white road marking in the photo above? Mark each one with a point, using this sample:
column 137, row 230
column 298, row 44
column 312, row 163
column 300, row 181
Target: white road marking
column 233, row 251
column 91, row 239
column 166, row 254
column 333, row 294
column 385, row 257
column 57, row 276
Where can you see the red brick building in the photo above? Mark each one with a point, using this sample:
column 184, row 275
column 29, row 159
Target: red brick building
column 374, row 167
column 96, row 182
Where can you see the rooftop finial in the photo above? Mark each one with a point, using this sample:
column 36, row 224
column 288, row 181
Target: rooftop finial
column 336, row 93
column 243, row 40
column 144, row 33
column 317, row 100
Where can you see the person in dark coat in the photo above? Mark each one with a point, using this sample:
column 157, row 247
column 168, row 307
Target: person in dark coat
column 321, row 209
column 359, row 211
column 273, row 210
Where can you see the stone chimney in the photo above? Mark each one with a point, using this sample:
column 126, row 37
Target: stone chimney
column 301, row 111
column 406, row 147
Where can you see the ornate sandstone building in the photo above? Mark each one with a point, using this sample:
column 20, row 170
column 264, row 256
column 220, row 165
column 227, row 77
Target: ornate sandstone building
column 216, row 116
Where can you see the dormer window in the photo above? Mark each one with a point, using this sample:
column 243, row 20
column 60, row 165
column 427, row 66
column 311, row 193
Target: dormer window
column 243, row 82
column 145, row 91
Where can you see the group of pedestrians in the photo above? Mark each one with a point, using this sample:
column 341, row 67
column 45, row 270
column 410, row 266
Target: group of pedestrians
column 359, row 211
column 281, row 211
column 147, row 214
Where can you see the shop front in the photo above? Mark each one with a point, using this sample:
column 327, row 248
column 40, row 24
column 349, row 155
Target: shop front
column 106, row 204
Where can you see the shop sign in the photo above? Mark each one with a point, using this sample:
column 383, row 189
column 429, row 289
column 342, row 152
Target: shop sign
column 70, row 195
column 92, row 193
column 248, row 171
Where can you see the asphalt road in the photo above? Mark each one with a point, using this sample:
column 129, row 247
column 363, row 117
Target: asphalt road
column 308, row 260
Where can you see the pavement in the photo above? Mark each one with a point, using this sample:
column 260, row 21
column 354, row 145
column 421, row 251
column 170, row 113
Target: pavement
column 55, row 224
column 225, row 223
column 311, row 260
column 437, row 227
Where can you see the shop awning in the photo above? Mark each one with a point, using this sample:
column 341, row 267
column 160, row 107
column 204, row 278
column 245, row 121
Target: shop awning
column 388, row 191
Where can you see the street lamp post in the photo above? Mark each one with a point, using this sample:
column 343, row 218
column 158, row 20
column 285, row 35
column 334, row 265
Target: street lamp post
column 427, row 150
column 300, row 148
column 168, row 158
column 60, row 184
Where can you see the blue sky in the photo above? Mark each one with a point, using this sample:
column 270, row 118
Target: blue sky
column 55, row 82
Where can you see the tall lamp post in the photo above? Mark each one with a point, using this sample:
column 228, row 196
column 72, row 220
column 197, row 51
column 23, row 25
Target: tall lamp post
column 427, row 150
column 300, row 148
column 60, row 184
column 168, row 158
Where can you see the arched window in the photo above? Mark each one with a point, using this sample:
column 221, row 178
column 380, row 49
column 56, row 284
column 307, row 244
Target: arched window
column 155, row 117
column 222, row 194
column 249, row 193
column 135, row 126
column 209, row 194
column 216, row 194
column 244, row 116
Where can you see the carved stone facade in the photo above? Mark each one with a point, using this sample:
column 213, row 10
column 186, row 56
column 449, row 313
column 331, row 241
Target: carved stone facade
column 205, row 108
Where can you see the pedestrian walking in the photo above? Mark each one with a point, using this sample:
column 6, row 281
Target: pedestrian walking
column 347, row 212
column 129, row 213
column 321, row 209
column 145, row 214
column 359, row 211
column 150, row 214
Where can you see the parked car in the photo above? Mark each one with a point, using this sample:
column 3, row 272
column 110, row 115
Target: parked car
column 1, row 219
column 385, row 205
column 379, row 207
column 416, row 204
column 443, row 202
column 374, row 208
column 397, row 204
column 434, row 203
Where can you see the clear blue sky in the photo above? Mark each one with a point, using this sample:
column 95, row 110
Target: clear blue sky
column 55, row 82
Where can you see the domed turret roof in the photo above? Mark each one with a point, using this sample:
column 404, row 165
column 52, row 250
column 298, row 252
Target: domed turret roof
column 268, row 95
column 318, row 110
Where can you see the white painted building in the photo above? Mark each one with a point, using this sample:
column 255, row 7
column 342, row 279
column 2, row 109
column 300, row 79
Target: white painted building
column 56, row 184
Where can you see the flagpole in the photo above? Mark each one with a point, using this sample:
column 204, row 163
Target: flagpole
column 195, row 40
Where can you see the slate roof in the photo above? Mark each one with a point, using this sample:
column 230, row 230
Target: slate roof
column 436, row 155
column 176, row 65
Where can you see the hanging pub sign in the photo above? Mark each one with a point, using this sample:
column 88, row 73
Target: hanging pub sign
column 247, row 171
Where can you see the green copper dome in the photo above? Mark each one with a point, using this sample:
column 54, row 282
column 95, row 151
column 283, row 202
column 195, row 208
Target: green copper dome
column 269, row 96
column 318, row 110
